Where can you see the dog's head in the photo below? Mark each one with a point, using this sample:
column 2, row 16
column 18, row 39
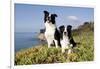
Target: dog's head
column 49, row 18
column 63, row 31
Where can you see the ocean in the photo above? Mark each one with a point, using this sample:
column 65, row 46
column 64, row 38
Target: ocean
column 25, row 40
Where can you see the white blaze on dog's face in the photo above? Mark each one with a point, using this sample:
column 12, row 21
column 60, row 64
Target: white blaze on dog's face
column 65, row 33
column 48, row 19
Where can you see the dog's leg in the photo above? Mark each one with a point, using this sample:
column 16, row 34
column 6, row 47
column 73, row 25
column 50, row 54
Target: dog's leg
column 49, row 45
column 63, row 50
column 56, row 43
column 62, row 46
column 49, row 42
column 69, row 51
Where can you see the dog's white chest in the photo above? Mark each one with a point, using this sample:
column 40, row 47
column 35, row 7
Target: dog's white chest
column 65, row 42
column 50, row 28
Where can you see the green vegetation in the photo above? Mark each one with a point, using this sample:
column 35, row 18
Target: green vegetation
column 84, row 51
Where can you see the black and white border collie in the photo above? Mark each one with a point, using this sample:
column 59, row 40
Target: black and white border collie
column 66, row 39
column 51, row 32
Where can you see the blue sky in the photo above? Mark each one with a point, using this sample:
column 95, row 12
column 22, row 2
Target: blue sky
column 29, row 17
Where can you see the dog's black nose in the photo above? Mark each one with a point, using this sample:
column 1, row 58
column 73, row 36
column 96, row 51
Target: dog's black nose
column 65, row 33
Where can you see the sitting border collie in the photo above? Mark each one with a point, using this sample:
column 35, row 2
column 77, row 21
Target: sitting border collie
column 51, row 32
column 66, row 38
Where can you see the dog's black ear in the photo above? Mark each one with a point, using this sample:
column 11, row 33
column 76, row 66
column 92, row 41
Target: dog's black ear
column 53, row 18
column 69, row 27
column 54, row 15
column 46, row 12
column 61, row 28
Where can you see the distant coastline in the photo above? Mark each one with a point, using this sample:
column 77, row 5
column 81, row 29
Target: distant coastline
column 25, row 40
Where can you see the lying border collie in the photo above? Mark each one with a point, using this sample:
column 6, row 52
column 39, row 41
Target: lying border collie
column 66, row 39
column 51, row 32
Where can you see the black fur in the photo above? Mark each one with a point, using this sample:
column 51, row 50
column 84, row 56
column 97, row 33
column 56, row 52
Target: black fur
column 61, row 28
column 46, row 15
column 53, row 18
column 69, row 27
column 57, row 36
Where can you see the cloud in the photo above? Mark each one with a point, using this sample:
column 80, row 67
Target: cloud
column 74, row 21
column 74, row 18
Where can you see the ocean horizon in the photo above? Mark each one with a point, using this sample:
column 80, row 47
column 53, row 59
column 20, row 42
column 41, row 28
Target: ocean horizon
column 24, row 40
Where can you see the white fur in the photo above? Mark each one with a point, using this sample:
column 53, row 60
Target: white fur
column 49, row 33
column 64, row 42
column 69, row 51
